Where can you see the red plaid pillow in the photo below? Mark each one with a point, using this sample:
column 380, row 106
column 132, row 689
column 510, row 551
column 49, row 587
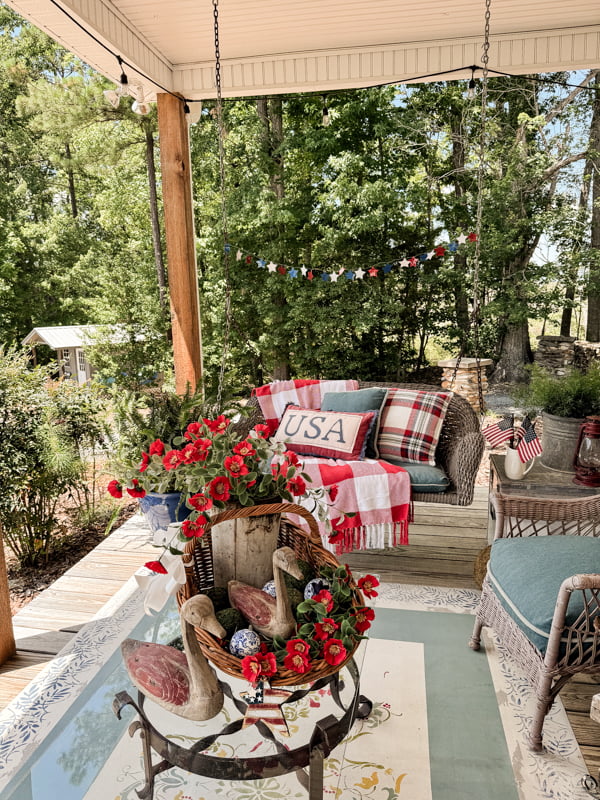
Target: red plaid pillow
column 410, row 425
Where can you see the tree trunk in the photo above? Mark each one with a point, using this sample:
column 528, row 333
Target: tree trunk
column 571, row 279
column 71, row 181
column 155, row 221
column 461, row 300
column 515, row 354
column 593, row 322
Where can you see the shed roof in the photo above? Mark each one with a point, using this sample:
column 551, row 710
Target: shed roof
column 59, row 336
column 273, row 47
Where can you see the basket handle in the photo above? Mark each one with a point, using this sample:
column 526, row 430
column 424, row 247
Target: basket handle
column 259, row 511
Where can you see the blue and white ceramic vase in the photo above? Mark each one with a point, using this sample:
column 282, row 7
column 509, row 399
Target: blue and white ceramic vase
column 160, row 510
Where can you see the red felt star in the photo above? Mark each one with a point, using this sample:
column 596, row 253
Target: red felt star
column 440, row 251
column 248, row 259
column 310, row 275
column 472, row 237
column 413, row 261
column 373, row 271
column 281, row 270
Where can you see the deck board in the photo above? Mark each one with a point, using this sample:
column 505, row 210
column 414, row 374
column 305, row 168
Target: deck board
column 445, row 541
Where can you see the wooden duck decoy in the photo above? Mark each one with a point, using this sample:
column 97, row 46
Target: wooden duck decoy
column 183, row 683
column 271, row 616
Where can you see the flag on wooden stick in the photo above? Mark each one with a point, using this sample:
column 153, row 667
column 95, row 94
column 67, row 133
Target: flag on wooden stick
column 529, row 445
column 501, row 431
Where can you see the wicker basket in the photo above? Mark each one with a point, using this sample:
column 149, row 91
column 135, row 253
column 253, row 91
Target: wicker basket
column 197, row 559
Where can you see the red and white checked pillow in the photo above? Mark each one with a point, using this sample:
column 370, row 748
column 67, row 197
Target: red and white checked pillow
column 410, row 427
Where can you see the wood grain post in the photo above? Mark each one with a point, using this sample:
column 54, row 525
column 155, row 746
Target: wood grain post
column 181, row 241
column 7, row 637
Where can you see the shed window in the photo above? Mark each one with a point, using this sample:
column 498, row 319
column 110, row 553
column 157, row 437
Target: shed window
column 81, row 360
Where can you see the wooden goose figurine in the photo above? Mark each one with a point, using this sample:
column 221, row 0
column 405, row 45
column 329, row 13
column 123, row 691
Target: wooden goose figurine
column 183, row 683
column 271, row 616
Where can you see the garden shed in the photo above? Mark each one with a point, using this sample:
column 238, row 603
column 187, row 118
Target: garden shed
column 69, row 343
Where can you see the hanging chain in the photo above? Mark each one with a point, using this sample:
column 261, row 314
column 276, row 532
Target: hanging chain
column 226, row 248
column 475, row 318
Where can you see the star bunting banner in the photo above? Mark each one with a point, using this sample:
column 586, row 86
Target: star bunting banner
column 333, row 276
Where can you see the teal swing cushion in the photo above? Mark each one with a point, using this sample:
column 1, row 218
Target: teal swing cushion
column 526, row 575
column 424, row 478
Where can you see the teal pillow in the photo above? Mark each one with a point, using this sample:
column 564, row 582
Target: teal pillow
column 425, row 478
column 526, row 574
column 361, row 400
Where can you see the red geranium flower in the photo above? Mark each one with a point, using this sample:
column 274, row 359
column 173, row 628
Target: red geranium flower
column 115, row 489
column 194, row 528
column 200, row 502
column 363, row 617
column 292, row 458
column 156, row 566
column 333, row 492
column 324, row 629
column 334, row 652
column 145, row 462
column 218, row 425
column 157, row 448
column 172, row 459
column 324, row 597
column 251, row 667
column 367, row 585
column 193, row 430
column 135, row 490
column 268, row 664
column 262, row 431
column 297, row 662
column 296, row 485
column 235, row 466
column 219, row 489
column 280, row 469
column 244, row 449
column 297, row 646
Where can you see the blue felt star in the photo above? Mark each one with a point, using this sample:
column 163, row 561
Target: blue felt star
column 423, row 257
column 324, row 277
column 261, row 263
column 349, row 275
column 387, row 268
column 453, row 247
column 227, row 248
column 293, row 273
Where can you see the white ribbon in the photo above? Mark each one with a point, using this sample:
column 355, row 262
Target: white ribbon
column 159, row 587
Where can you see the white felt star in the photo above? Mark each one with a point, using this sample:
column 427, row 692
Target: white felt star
column 333, row 276
column 430, row 255
column 303, row 270
column 238, row 255
column 461, row 239
column 405, row 262
column 359, row 273
column 271, row 266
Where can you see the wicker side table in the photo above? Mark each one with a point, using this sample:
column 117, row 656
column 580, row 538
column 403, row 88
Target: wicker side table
column 543, row 502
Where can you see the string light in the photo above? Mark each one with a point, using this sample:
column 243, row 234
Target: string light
column 326, row 117
column 471, row 89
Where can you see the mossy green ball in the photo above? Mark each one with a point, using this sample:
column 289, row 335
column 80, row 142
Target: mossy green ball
column 231, row 620
column 219, row 597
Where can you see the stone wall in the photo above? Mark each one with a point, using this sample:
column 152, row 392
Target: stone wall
column 559, row 354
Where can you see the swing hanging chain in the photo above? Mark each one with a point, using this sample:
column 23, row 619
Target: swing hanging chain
column 221, row 138
column 475, row 316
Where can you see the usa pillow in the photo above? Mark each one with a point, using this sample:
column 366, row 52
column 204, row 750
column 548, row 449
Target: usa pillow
column 328, row 434
column 410, row 425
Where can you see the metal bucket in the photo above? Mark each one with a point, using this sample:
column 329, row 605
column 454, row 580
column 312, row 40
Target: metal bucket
column 559, row 440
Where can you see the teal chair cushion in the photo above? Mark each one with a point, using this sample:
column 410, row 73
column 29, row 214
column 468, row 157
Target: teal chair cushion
column 425, row 478
column 526, row 574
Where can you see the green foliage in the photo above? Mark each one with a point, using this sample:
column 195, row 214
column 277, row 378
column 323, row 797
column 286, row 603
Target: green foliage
column 45, row 430
column 574, row 395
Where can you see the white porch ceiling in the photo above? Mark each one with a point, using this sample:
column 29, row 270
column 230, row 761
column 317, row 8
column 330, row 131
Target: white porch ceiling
column 278, row 46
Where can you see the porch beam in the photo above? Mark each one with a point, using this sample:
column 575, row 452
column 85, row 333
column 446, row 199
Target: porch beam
column 7, row 637
column 181, row 241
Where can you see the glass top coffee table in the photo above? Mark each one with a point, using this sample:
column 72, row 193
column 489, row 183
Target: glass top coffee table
column 89, row 753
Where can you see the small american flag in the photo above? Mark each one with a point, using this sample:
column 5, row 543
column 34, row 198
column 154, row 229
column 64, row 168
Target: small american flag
column 502, row 431
column 529, row 445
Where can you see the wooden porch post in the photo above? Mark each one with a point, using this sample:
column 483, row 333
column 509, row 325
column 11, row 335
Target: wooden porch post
column 7, row 637
column 181, row 241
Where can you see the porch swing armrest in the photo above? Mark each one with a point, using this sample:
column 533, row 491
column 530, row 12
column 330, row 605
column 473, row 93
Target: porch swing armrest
column 461, row 465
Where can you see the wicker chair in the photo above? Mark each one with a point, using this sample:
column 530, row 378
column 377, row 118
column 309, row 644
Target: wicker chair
column 458, row 453
column 571, row 608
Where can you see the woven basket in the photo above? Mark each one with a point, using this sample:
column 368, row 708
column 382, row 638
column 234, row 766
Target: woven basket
column 197, row 559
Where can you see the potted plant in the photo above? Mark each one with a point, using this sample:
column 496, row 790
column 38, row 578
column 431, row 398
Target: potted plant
column 211, row 465
column 564, row 402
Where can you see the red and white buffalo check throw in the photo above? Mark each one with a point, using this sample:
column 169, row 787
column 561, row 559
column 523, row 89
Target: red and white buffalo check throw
column 274, row 397
column 378, row 492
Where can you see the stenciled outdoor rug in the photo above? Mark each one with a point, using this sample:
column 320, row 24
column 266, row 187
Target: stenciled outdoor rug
column 448, row 723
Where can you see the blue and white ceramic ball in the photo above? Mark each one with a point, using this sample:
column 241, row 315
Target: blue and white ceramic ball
column 269, row 588
column 314, row 587
column 244, row 643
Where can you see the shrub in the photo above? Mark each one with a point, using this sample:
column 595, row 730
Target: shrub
column 574, row 395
